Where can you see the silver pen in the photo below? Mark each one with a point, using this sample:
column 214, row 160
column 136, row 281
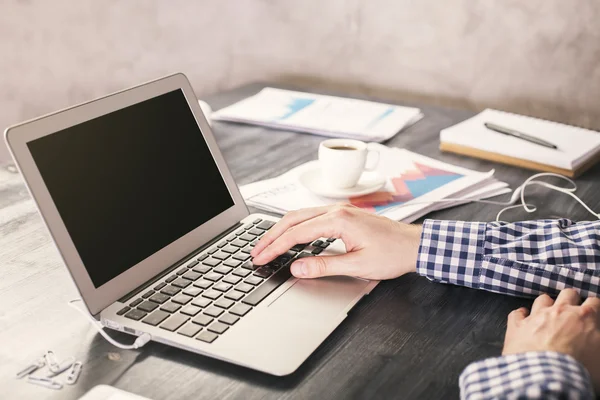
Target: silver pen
column 519, row 135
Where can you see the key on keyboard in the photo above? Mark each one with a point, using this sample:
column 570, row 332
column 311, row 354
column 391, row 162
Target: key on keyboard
column 230, row 249
column 211, row 262
column 175, row 322
column 135, row 315
column 241, row 256
column 192, row 291
column 170, row 290
column 201, row 269
column 229, row 319
column 159, row 298
column 182, row 283
column 190, row 310
column 240, row 309
column 224, row 303
column 123, row 310
column 230, row 263
column 213, row 311
column 170, row 307
column 234, row 295
column 190, row 330
column 156, row 317
column 265, row 225
column 218, row 327
column 135, row 302
column 191, row 275
column 147, row 306
column 202, row 320
column 232, row 279
column 247, row 237
column 238, row 243
column 202, row 284
column 207, row 337
column 182, row 299
column 223, row 269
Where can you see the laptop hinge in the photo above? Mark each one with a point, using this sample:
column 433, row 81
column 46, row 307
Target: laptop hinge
column 156, row 278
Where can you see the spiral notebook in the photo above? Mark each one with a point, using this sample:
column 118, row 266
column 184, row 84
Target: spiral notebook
column 578, row 148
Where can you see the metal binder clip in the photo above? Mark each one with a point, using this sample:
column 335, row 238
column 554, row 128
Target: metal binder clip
column 60, row 368
column 51, row 361
column 46, row 382
column 74, row 373
column 31, row 368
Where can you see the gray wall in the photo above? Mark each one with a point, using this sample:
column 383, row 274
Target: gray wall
column 540, row 57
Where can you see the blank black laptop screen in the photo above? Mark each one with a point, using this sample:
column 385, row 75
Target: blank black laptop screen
column 129, row 183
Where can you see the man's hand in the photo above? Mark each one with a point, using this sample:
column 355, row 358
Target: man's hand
column 377, row 247
column 563, row 326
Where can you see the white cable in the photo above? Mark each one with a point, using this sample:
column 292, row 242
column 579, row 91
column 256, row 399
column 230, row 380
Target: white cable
column 139, row 341
column 509, row 208
column 569, row 191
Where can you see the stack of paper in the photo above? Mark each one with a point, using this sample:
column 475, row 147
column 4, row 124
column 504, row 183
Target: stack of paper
column 321, row 115
column 413, row 184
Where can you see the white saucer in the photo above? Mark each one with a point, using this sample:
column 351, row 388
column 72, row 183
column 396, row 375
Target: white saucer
column 369, row 182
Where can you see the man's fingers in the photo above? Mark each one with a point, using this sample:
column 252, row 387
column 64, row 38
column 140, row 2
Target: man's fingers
column 568, row 297
column 543, row 301
column 316, row 267
column 592, row 302
column 324, row 225
column 591, row 305
column 289, row 220
column 517, row 315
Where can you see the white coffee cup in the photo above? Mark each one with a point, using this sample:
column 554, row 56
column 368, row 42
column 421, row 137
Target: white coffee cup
column 343, row 161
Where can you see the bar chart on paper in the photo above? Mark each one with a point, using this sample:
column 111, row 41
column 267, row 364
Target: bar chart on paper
column 408, row 186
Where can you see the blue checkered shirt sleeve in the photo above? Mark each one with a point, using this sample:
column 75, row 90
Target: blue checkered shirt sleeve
column 521, row 259
column 535, row 375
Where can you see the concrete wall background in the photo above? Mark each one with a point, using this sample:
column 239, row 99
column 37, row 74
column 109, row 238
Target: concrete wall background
column 540, row 57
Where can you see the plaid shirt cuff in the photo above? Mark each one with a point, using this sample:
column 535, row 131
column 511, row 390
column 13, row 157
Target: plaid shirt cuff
column 451, row 251
column 534, row 375
column 521, row 258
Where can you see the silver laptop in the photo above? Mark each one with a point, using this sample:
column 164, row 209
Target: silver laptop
column 156, row 236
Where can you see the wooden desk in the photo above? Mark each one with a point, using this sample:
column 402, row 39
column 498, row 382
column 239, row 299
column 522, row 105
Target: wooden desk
column 409, row 339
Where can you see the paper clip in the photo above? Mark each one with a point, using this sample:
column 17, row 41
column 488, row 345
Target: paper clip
column 46, row 382
column 31, row 368
column 62, row 367
column 50, row 358
column 74, row 373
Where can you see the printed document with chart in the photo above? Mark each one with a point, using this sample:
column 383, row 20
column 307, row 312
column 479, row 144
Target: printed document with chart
column 413, row 182
column 321, row 115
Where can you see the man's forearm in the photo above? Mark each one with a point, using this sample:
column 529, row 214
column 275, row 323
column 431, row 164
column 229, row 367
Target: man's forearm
column 522, row 259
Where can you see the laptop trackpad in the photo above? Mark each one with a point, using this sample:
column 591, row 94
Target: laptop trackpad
column 323, row 297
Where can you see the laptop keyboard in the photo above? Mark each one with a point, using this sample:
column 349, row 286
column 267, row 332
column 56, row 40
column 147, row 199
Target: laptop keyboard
column 208, row 295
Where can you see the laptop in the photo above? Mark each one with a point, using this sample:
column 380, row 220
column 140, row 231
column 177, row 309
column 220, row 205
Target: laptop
column 156, row 236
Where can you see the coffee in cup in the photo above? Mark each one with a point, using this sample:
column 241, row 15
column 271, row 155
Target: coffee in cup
column 343, row 161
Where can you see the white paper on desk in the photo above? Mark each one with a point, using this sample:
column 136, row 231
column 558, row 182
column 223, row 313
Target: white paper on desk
column 411, row 178
column 321, row 115
column 575, row 145
column 487, row 190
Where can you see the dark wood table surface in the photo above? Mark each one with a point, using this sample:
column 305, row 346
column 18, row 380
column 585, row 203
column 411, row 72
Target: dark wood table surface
column 410, row 338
